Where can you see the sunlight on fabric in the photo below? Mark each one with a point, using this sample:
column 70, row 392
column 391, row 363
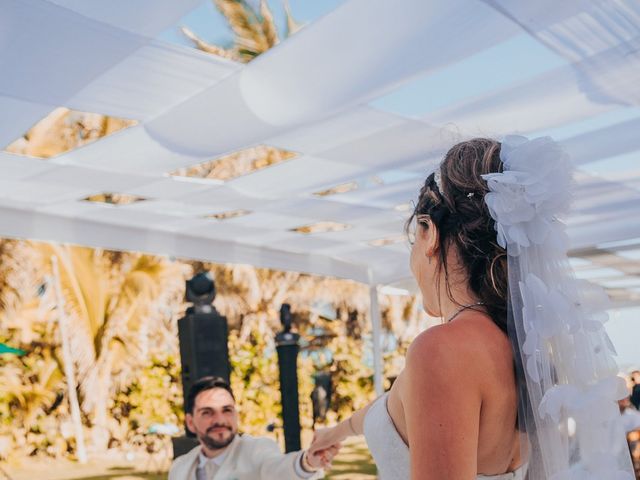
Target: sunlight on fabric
column 479, row 74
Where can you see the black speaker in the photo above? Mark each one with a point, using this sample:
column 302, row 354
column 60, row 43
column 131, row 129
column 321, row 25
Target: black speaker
column 182, row 445
column 203, row 347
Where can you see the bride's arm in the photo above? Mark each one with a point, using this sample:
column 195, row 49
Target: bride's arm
column 326, row 437
column 442, row 401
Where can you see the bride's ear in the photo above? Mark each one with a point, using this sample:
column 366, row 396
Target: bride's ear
column 430, row 235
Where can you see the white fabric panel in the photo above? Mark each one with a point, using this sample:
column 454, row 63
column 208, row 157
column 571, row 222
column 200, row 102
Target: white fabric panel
column 391, row 195
column 329, row 66
column 279, row 224
column 359, row 235
column 307, row 243
column 589, row 234
column 405, row 143
column 168, row 207
column 60, row 50
column 213, row 122
column 305, row 174
column 614, row 75
column 29, row 224
column 18, row 167
column 155, row 77
column 96, row 180
column 73, row 208
column 597, row 199
column 169, row 188
column 18, row 116
column 130, row 150
column 605, row 34
column 575, row 28
column 143, row 17
column 525, row 107
column 603, row 143
column 346, row 127
column 40, row 193
column 116, row 216
column 283, row 87
column 321, row 209
column 222, row 198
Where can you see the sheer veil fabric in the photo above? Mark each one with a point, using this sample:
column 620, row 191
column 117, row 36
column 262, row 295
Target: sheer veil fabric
column 568, row 383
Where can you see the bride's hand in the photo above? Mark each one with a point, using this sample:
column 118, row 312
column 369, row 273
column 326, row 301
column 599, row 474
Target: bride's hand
column 325, row 438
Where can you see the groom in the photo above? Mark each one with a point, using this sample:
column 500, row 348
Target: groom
column 223, row 454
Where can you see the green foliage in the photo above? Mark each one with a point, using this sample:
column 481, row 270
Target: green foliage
column 30, row 388
column 353, row 382
column 134, row 375
column 256, row 385
column 154, row 396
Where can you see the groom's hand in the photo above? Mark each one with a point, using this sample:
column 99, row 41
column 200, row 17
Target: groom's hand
column 322, row 458
column 324, row 438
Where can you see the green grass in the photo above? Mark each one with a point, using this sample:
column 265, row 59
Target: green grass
column 352, row 463
column 126, row 475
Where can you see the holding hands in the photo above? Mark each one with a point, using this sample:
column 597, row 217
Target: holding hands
column 327, row 442
column 320, row 458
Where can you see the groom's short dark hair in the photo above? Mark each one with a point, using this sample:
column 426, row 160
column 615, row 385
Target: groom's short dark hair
column 203, row 384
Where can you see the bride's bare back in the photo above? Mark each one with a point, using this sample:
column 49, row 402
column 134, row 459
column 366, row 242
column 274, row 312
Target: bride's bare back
column 456, row 399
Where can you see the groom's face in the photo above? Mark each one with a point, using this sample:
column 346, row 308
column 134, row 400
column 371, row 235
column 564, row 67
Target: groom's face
column 214, row 419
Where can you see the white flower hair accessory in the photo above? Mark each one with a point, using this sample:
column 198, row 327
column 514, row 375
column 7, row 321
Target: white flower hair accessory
column 437, row 178
column 528, row 197
column 556, row 322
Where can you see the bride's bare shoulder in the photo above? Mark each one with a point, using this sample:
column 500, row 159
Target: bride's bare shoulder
column 464, row 344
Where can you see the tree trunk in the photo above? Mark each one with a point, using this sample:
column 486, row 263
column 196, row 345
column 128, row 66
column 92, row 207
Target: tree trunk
column 69, row 367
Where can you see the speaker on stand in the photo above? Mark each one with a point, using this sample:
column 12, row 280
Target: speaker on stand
column 203, row 335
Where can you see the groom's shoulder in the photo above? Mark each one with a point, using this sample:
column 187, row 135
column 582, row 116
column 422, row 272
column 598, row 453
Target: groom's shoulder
column 184, row 460
column 261, row 443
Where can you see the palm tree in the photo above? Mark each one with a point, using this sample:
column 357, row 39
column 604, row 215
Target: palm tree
column 254, row 30
column 114, row 302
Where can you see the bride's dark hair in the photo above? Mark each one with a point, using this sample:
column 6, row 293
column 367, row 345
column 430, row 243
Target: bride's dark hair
column 462, row 218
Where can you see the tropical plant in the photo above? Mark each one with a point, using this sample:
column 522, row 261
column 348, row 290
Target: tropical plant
column 153, row 396
column 114, row 301
column 254, row 29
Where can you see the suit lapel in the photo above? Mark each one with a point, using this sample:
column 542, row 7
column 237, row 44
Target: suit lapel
column 192, row 464
column 229, row 460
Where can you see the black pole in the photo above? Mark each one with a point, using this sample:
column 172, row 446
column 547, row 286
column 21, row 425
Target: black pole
column 287, row 347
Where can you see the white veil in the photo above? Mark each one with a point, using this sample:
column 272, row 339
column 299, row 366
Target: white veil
column 567, row 375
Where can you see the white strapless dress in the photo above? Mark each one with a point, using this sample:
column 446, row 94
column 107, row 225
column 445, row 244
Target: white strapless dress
column 390, row 452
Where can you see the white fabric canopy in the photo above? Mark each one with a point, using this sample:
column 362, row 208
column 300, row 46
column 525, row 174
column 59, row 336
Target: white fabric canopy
column 311, row 95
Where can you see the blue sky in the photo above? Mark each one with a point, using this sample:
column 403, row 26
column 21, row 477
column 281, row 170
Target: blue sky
column 209, row 25
column 623, row 328
column 510, row 62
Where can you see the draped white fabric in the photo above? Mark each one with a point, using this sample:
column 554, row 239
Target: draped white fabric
column 310, row 95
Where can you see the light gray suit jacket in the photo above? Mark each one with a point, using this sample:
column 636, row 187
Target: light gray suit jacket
column 247, row 458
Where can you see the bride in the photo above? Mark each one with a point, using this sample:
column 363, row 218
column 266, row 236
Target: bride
column 488, row 393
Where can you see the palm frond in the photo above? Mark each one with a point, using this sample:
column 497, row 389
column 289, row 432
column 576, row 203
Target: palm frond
column 207, row 47
column 268, row 24
column 246, row 26
column 292, row 24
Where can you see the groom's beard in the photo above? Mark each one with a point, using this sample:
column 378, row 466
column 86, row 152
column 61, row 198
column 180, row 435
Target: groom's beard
column 217, row 436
